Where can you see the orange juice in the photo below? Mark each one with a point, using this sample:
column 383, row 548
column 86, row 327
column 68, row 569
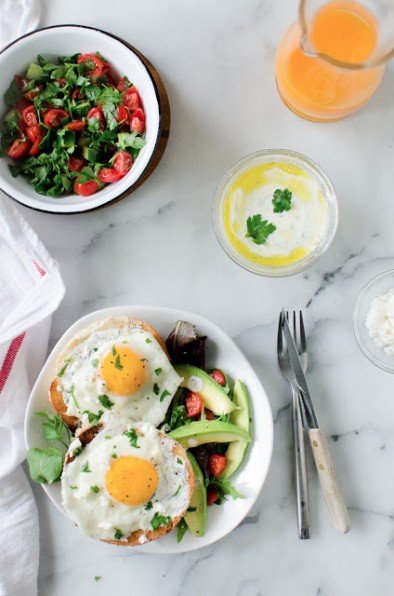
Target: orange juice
column 317, row 89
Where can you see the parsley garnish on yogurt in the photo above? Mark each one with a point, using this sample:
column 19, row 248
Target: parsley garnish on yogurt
column 282, row 200
column 259, row 229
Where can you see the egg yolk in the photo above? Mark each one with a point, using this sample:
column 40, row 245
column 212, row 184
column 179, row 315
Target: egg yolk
column 123, row 371
column 131, row 480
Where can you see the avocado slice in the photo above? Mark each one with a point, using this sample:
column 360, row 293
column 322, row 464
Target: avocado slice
column 241, row 418
column 212, row 394
column 196, row 515
column 208, row 431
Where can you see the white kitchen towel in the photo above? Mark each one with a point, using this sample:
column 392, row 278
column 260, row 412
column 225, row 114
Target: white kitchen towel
column 31, row 288
column 17, row 17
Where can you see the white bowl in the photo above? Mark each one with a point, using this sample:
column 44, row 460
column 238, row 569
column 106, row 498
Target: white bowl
column 65, row 40
column 221, row 352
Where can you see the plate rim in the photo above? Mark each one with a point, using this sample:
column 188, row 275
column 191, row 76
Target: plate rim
column 154, row 547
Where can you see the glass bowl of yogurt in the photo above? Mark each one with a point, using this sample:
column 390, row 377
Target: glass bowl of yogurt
column 275, row 212
column 373, row 320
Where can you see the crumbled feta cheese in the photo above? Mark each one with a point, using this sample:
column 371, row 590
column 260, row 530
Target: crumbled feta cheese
column 380, row 321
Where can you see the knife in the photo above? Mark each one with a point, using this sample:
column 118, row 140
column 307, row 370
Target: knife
column 327, row 476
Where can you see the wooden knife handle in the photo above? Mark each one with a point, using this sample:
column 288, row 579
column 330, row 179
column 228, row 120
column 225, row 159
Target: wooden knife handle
column 328, row 480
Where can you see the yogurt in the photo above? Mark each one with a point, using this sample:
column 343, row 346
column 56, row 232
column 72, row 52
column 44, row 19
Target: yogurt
column 298, row 231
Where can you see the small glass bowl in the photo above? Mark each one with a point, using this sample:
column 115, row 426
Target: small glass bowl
column 377, row 286
column 282, row 156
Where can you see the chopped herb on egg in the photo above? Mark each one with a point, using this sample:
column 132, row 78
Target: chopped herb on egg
column 282, row 200
column 95, row 349
column 158, row 371
column 114, row 456
column 156, row 389
column 148, row 341
column 85, row 467
column 97, row 578
column 179, row 461
column 95, row 363
column 73, row 487
column 159, row 520
column 71, row 392
column 107, row 437
column 113, row 351
column 132, row 436
column 63, row 369
column 92, row 417
column 77, row 452
column 94, row 489
column 117, row 363
column 259, row 229
column 118, row 534
column 164, row 394
column 148, row 506
column 177, row 491
column 105, row 401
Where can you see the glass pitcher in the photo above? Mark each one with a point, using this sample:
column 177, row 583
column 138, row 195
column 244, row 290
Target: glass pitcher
column 331, row 61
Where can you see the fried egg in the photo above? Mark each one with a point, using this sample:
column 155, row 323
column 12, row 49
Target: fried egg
column 129, row 478
column 118, row 371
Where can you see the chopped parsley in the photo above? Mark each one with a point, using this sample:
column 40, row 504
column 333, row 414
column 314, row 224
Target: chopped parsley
column 177, row 491
column 156, row 389
column 117, row 363
column 282, row 200
column 63, row 369
column 259, row 229
column 179, row 461
column 71, row 392
column 95, row 363
column 148, row 340
column 113, row 351
column 97, row 578
column 158, row 371
column 94, row 489
column 92, row 417
column 181, row 530
column 114, row 455
column 105, row 401
column 132, row 436
column 73, row 487
column 85, row 467
column 118, row 534
column 164, row 394
column 148, row 506
column 77, row 452
column 159, row 520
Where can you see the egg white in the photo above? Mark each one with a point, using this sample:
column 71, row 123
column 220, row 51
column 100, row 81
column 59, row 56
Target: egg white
column 98, row 514
column 81, row 384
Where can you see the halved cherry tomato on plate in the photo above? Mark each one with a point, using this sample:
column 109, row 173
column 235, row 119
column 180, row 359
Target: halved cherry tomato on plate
column 193, row 403
column 122, row 115
column 29, row 116
column 97, row 65
column 35, row 148
column 131, row 98
column 218, row 376
column 217, row 463
column 32, row 133
column 97, row 113
column 75, row 164
column 212, row 495
column 30, row 94
column 85, row 189
column 109, row 175
column 76, row 125
column 122, row 162
column 209, row 415
column 19, row 148
column 123, row 84
column 137, row 121
column 53, row 117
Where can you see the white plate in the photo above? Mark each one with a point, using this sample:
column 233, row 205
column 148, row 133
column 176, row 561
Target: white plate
column 221, row 352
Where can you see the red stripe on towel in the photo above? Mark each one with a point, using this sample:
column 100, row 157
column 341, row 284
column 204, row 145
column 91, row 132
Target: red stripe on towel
column 9, row 359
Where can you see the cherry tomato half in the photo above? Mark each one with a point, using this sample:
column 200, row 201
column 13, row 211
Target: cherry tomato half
column 137, row 121
column 218, row 376
column 122, row 115
column 212, row 495
column 85, row 189
column 35, row 148
column 19, row 148
column 193, row 403
column 53, row 117
column 98, row 65
column 76, row 125
column 29, row 116
column 217, row 463
column 109, row 175
column 131, row 98
column 98, row 114
column 122, row 162
column 32, row 133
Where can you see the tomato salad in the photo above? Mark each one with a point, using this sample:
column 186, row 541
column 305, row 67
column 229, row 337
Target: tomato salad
column 72, row 126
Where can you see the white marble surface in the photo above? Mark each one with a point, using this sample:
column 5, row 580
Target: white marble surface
column 157, row 247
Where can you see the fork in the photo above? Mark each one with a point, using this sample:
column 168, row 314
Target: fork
column 301, row 478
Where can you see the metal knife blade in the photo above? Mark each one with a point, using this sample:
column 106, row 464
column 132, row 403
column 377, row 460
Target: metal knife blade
column 299, row 373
